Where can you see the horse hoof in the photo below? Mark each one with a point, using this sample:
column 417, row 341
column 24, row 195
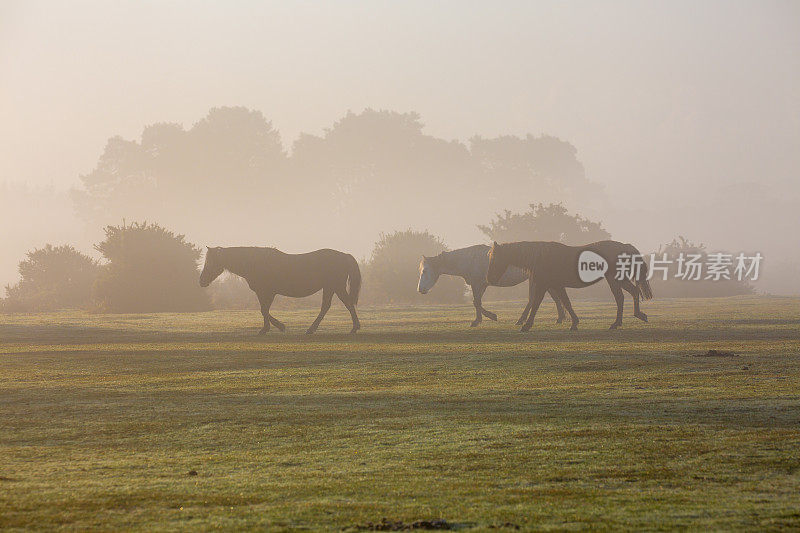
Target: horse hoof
column 520, row 322
column 474, row 324
column 310, row 331
column 642, row 317
column 352, row 331
column 493, row 317
column 559, row 321
column 261, row 332
column 614, row 326
column 573, row 328
column 524, row 329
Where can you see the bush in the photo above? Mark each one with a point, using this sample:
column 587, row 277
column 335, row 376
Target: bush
column 149, row 269
column 392, row 274
column 53, row 277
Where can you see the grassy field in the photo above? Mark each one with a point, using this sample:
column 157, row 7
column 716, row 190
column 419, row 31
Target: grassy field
column 105, row 419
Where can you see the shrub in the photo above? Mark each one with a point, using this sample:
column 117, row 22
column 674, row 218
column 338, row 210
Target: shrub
column 53, row 277
column 149, row 269
column 392, row 274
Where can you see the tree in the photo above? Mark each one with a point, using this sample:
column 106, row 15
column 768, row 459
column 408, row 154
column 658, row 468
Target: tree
column 544, row 223
column 228, row 179
column 53, row 277
column 149, row 269
column 378, row 154
column 230, row 163
column 393, row 270
column 523, row 166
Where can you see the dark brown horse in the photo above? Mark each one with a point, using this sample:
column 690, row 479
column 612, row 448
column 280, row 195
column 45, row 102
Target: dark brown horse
column 269, row 271
column 553, row 266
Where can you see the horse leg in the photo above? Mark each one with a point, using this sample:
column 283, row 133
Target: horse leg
column 636, row 293
column 345, row 298
column 477, row 298
column 528, row 306
column 562, row 294
column 620, row 298
column 266, row 301
column 277, row 323
column 524, row 313
column 327, row 296
column 477, row 292
column 536, row 291
column 554, row 294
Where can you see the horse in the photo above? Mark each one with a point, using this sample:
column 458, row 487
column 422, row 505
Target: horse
column 471, row 263
column 268, row 272
column 553, row 266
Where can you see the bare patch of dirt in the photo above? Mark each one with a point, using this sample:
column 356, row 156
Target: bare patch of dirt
column 716, row 353
column 398, row 525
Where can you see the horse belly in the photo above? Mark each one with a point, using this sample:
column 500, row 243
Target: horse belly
column 512, row 276
column 299, row 291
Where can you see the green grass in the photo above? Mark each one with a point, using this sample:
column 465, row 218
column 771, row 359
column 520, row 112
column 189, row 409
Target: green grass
column 417, row 417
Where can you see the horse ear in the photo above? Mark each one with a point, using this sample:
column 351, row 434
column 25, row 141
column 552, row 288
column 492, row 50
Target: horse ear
column 494, row 244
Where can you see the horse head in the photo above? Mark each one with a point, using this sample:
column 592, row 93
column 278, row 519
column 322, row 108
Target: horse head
column 212, row 267
column 428, row 274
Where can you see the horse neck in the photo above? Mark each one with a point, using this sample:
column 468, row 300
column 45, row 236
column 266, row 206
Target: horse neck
column 238, row 261
column 449, row 263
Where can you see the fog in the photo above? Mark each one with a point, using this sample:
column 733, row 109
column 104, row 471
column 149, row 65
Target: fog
column 684, row 119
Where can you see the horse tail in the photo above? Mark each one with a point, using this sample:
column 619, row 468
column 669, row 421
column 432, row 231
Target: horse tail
column 641, row 277
column 354, row 279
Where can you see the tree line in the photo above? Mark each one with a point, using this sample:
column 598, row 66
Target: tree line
column 148, row 268
column 230, row 178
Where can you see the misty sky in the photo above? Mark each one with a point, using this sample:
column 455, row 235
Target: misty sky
column 689, row 91
column 670, row 103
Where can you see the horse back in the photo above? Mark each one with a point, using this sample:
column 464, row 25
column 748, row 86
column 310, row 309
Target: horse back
column 300, row 275
column 560, row 262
